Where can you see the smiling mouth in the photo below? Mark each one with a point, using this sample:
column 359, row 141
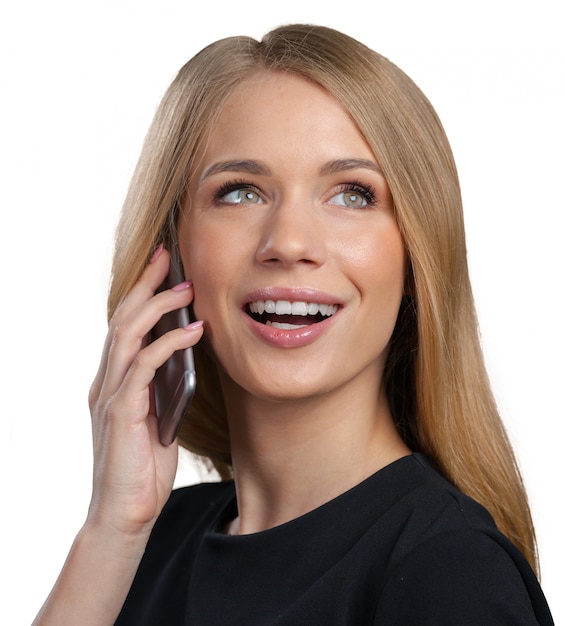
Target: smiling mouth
column 286, row 315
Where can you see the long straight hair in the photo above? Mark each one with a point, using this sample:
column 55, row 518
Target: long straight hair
column 435, row 376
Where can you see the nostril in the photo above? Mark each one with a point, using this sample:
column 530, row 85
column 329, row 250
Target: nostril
column 286, row 261
column 287, row 242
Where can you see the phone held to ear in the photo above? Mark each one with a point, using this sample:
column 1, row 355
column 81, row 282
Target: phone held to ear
column 175, row 381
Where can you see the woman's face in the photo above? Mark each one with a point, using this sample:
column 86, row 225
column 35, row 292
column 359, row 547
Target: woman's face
column 289, row 236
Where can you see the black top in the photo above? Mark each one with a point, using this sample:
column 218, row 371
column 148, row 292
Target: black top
column 403, row 547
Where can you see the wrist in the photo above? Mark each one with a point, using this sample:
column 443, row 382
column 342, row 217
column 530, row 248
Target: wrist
column 118, row 523
column 127, row 544
column 103, row 561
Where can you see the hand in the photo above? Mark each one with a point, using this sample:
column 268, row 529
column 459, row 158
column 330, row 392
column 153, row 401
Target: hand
column 133, row 471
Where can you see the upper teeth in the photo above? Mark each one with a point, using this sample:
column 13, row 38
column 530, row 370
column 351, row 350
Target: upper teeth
column 285, row 307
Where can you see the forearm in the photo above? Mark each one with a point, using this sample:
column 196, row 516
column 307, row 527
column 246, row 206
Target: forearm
column 95, row 579
column 133, row 472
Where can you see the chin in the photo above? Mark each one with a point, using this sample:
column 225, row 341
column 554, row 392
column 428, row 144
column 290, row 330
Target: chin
column 277, row 386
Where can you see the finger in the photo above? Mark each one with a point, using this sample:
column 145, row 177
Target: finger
column 128, row 339
column 144, row 288
column 130, row 405
column 152, row 276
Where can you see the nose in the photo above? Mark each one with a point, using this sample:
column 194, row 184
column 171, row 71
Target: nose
column 291, row 234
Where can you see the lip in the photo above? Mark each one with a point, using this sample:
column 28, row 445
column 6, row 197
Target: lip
column 290, row 338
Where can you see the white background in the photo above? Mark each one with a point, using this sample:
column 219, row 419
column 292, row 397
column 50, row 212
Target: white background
column 79, row 84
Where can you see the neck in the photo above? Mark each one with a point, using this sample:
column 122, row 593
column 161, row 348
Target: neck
column 291, row 457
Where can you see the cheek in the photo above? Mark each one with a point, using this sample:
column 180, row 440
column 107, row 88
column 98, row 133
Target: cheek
column 378, row 259
column 392, row 258
column 209, row 262
column 382, row 286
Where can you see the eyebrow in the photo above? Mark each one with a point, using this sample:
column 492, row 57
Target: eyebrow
column 341, row 165
column 247, row 166
column 261, row 169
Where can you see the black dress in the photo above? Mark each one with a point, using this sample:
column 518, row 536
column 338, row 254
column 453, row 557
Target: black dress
column 403, row 547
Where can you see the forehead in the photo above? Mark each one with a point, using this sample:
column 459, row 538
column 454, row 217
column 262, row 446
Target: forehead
column 281, row 112
column 268, row 87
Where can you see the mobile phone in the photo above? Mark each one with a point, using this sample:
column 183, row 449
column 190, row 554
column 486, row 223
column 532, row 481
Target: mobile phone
column 175, row 381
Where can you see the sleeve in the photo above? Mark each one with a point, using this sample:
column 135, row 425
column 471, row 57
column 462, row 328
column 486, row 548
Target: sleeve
column 463, row 578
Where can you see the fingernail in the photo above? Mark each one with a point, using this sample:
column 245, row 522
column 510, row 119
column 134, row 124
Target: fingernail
column 156, row 254
column 184, row 285
column 194, row 325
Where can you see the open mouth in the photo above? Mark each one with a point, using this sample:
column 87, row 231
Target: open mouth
column 287, row 315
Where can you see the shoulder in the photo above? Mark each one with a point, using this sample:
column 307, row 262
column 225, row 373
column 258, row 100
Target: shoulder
column 158, row 592
column 450, row 564
column 424, row 505
column 465, row 577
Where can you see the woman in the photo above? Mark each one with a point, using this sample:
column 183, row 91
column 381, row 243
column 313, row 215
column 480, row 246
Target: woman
column 314, row 198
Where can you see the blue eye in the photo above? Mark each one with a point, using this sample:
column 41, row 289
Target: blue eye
column 354, row 196
column 350, row 199
column 240, row 195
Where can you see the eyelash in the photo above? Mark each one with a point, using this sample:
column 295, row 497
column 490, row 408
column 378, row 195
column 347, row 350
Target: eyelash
column 366, row 190
column 363, row 189
column 233, row 185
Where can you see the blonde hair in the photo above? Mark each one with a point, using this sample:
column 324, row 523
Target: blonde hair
column 436, row 380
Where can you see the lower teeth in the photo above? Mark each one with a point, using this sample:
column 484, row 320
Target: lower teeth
column 283, row 326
